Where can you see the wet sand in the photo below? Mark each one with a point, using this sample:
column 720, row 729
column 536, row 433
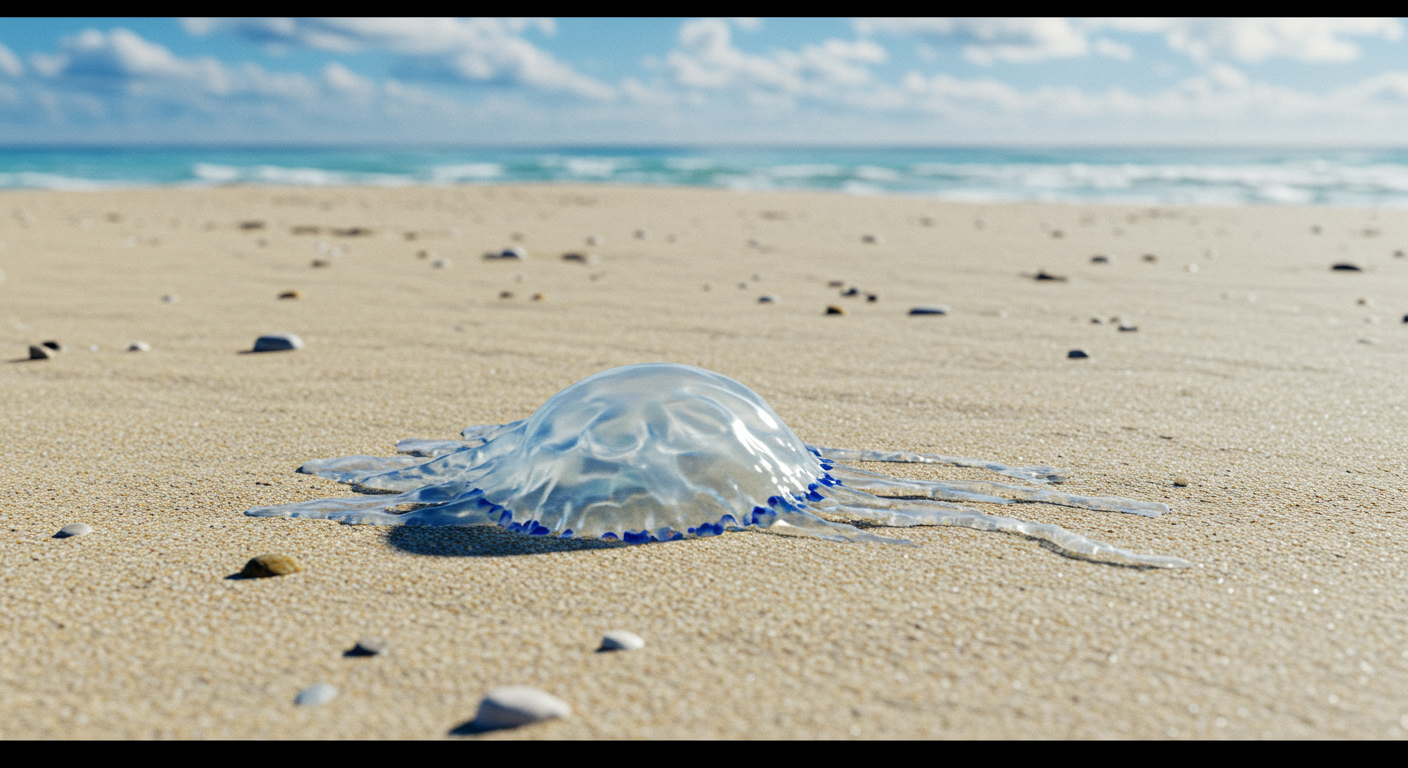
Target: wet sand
column 1259, row 376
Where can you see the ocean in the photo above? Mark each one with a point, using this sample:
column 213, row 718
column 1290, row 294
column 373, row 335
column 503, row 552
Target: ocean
column 1364, row 177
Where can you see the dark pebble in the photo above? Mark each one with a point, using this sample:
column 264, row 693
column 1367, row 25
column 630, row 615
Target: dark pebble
column 1043, row 275
column 40, row 352
column 1345, row 266
column 1100, row 258
column 852, row 291
column 835, row 310
column 929, row 311
column 1129, row 327
column 278, row 342
column 1149, row 257
column 265, row 566
column 872, row 298
column 1077, row 354
column 54, row 345
column 368, row 646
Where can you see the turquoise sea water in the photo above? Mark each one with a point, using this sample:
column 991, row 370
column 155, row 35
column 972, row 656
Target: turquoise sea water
column 1162, row 176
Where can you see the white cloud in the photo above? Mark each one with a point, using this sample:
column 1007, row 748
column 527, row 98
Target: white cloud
column 470, row 50
column 10, row 64
column 1256, row 40
column 989, row 40
column 340, row 79
column 1248, row 40
column 706, row 59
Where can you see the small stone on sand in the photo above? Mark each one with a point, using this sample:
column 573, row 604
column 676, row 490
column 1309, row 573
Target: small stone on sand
column 315, row 695
column 835, row 310
column 1345, row 266
column 871, row 239
column 1180, row 480
column 580, row 258
column 441, row 264
column 852, row 291
column 53, row 345
column 1128, row 327
column 423, row 254
column 621, row 640
column 1077, row 354
column 369, row 646
column 74, row 529
column 40, row 352
column 170, row 298
column 515, row 705
column 540, row 297
column 1101, row 258
column 835, row 283
column 512, row 253
column 139, row 346
column 767, row 299
column 293, row 294
column 278, row 342
column 1044, row 276
column 593, row 239
column 505, row 294
column 322, row 263
column 265, row 566
column 932, row 309
column 1149, row 257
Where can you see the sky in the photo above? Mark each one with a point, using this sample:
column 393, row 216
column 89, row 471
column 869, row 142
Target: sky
column 641, row 82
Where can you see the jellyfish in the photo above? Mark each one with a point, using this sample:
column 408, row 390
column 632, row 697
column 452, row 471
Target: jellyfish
column 659, row 452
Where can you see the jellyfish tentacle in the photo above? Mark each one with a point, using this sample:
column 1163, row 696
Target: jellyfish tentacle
column 793, row 520
column 984, row 490
column 434, row 449
column 1036, row 474
column 373, row 509
column 906, row 513
column 487, row 432
column 351, row 469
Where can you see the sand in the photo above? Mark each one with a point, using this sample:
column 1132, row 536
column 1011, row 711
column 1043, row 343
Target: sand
column 1255, row 372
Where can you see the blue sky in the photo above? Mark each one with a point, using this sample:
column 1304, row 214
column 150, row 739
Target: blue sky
column 932, row 81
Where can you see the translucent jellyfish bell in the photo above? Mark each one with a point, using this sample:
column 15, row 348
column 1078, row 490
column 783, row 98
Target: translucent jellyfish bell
column 659, row 452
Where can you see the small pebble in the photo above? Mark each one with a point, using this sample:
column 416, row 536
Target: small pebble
column 40, row 352
column 872, row 298
column 505, row 294
column 1127, row 327
column 580, row 258
column 139, row 346
column 315, row 695
column 934, row 309
column 515, row 705
column 170, row 298
column 1043, row 275
column 1405, row 318
column 621, row 640
column 540, row 297
column 74, row 529
column 441, row 264
column 835, row 283
column 321, row 263
column 265, row 566
column 871, row 239
column 1345, row 266
column 1149, row 257
column 423, row 254
column 369, row 646
column 593, row 240
column 1101, row 258
column 53, row 345
column 293, row 294
column 1364, row 302
column 1096, row 321
column 767, row 299
column 852, row 291
column 1180, row 480
column 278, row 342
column 835, row 310
column 1077, row 354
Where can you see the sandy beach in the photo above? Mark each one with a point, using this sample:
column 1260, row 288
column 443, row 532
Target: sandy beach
column 1272, row 383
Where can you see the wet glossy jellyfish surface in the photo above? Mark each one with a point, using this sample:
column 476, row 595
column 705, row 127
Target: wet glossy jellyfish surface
column 658, row 452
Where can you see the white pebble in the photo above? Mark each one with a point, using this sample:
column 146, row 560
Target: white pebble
column 515, row 705
column 315, row 695
column 139, row 346
column 74, row 529
column 1180, row 480
column 621, row 640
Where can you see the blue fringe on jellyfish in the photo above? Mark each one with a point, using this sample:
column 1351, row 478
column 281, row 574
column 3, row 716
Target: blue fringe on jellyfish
column 658, row 452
